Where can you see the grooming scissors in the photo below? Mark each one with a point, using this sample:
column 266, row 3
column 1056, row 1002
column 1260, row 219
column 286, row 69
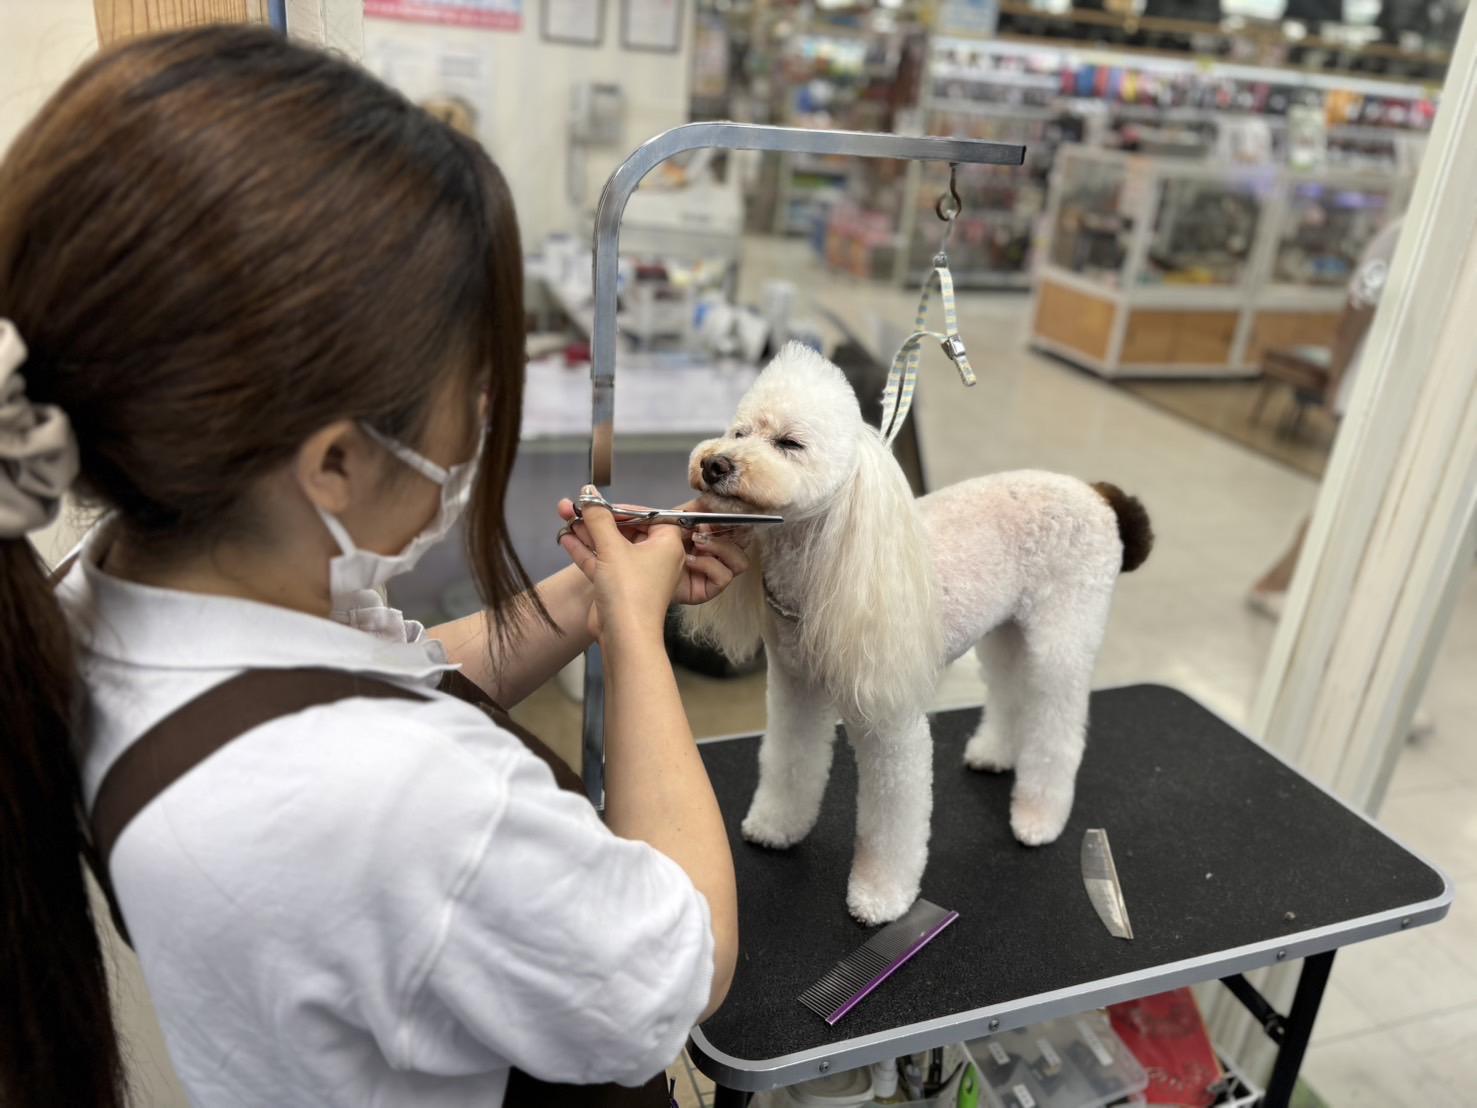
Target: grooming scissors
column 626, row 516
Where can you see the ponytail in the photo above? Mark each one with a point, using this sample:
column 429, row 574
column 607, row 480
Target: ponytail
column 59, row 1044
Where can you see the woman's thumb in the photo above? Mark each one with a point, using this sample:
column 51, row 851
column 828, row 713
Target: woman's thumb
column 598, row 519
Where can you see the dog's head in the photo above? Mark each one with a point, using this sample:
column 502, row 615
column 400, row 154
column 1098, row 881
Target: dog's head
column 791, row 447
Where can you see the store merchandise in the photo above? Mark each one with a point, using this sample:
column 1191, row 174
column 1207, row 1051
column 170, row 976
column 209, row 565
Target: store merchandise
column 1076, row 1062
column 1047, row 96
column 1203, row 232
column 1327, row 229
column 850, row 1089
column 864, row 594
column 1167, row 1034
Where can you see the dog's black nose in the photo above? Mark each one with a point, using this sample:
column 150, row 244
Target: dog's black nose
column 716, row 468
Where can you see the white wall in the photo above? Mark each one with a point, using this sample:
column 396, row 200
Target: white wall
column 41, row 42
column 522, row 97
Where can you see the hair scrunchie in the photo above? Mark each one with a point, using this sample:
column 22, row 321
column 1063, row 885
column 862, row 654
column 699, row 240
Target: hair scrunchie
column 38, row 452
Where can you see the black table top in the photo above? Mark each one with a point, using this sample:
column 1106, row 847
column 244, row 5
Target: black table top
column 1227, row 858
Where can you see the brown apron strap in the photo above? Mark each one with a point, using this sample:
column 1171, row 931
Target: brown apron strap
column 193, row 732
column 460, row 686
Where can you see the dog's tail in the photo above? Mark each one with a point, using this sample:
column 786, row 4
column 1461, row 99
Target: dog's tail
column 1133, row 524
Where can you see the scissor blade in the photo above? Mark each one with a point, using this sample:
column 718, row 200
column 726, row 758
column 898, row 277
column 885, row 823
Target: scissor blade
column 719, row 519
column 630, row 515
column 1100, row 879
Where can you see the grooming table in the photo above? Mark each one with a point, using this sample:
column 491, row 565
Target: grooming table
column 1229, row 860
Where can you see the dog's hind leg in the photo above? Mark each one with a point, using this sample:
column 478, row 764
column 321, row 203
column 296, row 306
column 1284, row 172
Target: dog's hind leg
column 1060, row 647
column 894, row 803
column 794, row 762
column 994, row 744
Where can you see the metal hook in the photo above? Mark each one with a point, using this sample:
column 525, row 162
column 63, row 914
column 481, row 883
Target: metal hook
column 949, row 215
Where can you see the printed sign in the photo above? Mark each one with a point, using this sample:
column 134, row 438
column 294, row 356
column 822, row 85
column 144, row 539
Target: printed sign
column 495, row 15
column 976, row 17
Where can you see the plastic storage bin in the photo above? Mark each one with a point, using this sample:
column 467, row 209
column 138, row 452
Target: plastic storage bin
column 1067, row 1063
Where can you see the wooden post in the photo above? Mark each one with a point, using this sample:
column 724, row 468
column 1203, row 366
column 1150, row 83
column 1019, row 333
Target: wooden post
column 118, row 19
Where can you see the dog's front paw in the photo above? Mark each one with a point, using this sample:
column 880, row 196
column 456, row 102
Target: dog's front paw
column 771, row 825
column 875, row 897
column 877, row 903
column 1038, row 819
column 988, row 752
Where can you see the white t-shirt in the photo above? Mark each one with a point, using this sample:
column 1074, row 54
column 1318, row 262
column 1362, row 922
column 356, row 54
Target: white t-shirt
column 372, row 902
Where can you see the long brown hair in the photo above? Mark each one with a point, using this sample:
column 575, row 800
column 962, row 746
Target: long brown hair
column 214, row 243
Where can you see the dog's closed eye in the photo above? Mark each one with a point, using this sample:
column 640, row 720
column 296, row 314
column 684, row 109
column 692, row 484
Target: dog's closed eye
column 789, row 445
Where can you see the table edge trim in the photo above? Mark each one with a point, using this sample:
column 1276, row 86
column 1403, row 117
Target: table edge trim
column 760, row 1074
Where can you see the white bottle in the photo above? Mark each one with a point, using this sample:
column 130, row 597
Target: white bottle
column 884, row 1078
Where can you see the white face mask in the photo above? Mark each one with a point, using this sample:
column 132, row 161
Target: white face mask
column 355, row 569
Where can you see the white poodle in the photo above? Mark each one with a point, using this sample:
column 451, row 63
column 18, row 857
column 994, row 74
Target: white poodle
column 864, row 594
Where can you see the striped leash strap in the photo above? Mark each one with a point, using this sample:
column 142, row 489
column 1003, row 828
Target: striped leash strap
column 902, row 378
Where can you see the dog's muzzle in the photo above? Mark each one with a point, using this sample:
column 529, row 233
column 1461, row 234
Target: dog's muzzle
column 717, row 470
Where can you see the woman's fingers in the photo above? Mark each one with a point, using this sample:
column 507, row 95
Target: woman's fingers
column 580, row 554
column 726, row 551
column 713, row 575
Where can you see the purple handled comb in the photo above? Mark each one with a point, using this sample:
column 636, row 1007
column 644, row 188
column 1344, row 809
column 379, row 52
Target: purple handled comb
column 856, row 975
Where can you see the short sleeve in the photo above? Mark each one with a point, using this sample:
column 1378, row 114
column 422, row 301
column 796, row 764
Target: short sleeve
column 571, row 954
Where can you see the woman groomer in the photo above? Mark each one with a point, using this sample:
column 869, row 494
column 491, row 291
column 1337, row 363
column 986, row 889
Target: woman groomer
column 267, row 314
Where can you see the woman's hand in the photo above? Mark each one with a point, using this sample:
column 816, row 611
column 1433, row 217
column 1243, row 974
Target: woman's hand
column 711, row 562
column 634, row 577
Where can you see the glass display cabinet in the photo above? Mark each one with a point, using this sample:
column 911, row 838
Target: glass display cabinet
column 1161, row 266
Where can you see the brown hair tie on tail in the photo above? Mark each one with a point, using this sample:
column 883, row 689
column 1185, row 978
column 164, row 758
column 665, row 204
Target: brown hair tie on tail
column 1133, row 524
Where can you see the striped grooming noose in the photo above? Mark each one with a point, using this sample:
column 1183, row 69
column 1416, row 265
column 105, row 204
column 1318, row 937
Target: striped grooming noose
column 902, row 378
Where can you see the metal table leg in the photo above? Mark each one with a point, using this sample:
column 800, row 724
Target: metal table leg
column 1298, row 1029
column 1292, row 1032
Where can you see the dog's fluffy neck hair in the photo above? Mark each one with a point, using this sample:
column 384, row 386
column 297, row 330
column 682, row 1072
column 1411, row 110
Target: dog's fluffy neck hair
column 790, row 572
column 862, row 561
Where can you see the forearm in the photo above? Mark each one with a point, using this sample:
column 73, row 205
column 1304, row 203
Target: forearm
column 656, row 789
column 541, row 652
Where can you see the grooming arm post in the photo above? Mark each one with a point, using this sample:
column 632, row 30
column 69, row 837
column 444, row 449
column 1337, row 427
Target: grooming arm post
column 618, row 189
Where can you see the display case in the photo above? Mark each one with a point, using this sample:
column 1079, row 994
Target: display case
column 1164, row 267
column 1324, row 227
column 1091, row 228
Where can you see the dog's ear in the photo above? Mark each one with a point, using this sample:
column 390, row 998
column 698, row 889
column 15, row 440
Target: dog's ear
column 870, row 611
column 732, row 621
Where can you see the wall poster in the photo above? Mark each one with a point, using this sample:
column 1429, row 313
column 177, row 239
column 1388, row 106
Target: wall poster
column 495, row 15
